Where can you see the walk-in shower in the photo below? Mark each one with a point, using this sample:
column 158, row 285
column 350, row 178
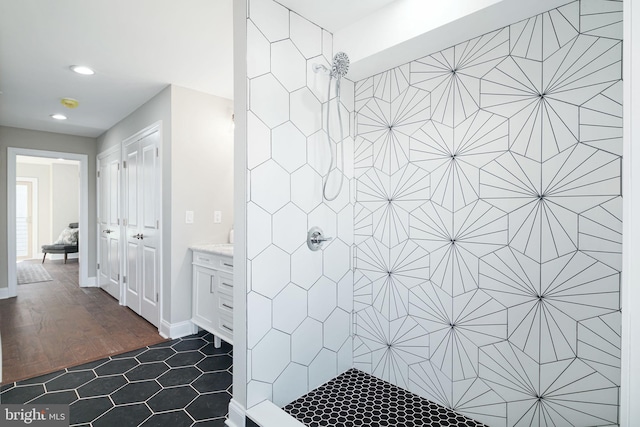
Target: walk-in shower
column 339, row 69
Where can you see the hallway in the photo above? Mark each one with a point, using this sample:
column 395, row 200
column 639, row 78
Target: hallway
column 56, row 324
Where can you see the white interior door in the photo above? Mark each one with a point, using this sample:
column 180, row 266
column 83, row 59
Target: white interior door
column 141, row 187
column 109, row 224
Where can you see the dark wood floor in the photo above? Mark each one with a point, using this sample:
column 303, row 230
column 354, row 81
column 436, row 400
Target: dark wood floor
column 56, row 324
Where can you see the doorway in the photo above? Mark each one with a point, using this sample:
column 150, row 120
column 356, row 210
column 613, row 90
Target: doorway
column 82, row 209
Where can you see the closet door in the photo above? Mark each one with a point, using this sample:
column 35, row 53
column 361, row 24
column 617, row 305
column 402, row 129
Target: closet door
column 109, row 223
column 141, row 188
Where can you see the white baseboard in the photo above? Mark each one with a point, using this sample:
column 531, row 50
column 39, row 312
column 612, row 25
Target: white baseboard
column 177, row 330
column 237, row 414
column 89, row 282
column 267, row 414
column 4, row 294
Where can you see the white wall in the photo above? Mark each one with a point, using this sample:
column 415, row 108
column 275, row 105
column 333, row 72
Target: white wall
column 298, row 301
column 201, row 181
column 65, row 191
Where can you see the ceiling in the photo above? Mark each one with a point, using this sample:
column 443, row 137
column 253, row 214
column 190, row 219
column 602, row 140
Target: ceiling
column 136, row 48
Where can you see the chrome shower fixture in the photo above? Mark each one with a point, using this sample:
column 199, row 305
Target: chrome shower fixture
column 320, row 68
column 339, row 69
column 340, row 66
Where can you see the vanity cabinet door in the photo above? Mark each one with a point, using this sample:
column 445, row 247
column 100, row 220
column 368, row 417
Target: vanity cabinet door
column 204, row 297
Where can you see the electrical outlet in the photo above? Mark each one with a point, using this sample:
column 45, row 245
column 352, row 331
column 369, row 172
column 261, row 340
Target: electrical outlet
column 217, row 217
column 188, row 219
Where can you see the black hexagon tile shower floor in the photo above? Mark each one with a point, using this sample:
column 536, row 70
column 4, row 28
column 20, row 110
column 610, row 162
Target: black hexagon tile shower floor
column 184, row 382
column 355, row 398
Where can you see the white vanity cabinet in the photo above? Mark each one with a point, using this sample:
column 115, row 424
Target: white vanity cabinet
column 212, row 289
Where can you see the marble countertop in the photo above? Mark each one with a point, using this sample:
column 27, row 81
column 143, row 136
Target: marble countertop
column 224, row 249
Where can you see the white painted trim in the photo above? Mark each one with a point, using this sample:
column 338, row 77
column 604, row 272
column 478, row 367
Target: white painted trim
column 177, row 330
column 237, row 414
column 267, row 414
column 4, row 294
column 240, row 203
column 630, row 354
column 12, row 153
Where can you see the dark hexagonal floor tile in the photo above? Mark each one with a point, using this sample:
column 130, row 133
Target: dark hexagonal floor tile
column 210, row 405
column 124, row 416
column 130, row 354
column 217, row 422
column 102, row 386
column 41, row 379
column 190, row 344
column 213, row 381
column 210, row 350
column 165, row 343
column 147, row 371
column 22, row 394
column 87, row 410
column 118, row 366
column 172, row 398
column 70, row 380
column 135, row 392
column 179, row 376
column 185, row 359
column 220, row 362
column 58, row 397
column 169, row 419
column 156, row 354
column 90, row 365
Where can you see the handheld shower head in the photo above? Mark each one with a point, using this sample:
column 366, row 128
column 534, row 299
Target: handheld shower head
column 340, row 65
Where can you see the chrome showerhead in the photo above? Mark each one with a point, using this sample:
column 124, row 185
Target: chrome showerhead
column 340, row 65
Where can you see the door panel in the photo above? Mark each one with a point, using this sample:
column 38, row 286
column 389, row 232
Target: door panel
column 142, row 190
column 109, row 224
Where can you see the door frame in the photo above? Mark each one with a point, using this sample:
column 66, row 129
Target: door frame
column 12, row 153
column 35, row 253
column 155, row 127
column 99, row 158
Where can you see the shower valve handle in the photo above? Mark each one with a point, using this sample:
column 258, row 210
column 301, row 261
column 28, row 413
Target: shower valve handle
column 316, row 238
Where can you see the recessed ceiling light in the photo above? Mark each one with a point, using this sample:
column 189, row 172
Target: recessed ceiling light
column 81, row 69
column 59, row 116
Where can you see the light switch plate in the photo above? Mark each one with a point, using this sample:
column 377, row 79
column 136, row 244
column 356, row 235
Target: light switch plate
column 188, row 217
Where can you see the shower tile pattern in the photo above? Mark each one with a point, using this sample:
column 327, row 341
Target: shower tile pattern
column 355, row 398
column 488, row 221
column 299, row 302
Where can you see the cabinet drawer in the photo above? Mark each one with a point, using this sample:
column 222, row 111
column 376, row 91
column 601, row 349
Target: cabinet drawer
column 225, row 304
column 225, row 324
column 218, row 262
column 204, row 259
column 225, row 283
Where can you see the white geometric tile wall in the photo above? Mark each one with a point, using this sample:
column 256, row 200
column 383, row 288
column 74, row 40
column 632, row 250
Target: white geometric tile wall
column 299, row 320
column 487, row 221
